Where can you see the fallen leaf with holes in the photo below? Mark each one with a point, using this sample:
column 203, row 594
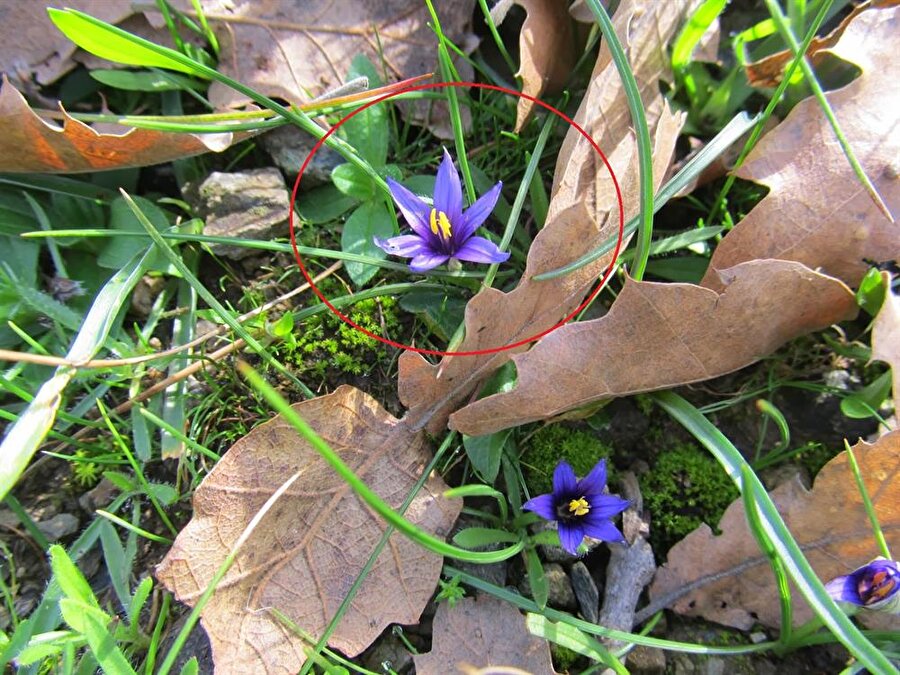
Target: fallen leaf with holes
column 309, row 548
column 33, row 144
column 886, row 336
column 583, row 214
column 661, row 335
column 298, row 50
column 816, row 211
column 736, row 586
column 769, row 71
column 482, row 633
column 547, row 49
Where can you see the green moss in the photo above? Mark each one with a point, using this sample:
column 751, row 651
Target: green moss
column 555, row 442
column 326, row 342
column 564, row 659
column 685, row 488
column 814, row 455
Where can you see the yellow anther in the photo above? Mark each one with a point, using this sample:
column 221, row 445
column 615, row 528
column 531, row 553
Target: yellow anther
column 440, row 220
column 579, row 506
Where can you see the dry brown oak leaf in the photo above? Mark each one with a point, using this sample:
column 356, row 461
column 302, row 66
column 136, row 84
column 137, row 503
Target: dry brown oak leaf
column 482, row 633
column 547, row 49
column 886, row 337
column 32, row 144
column 733, row 582
column 660, row 335
column 817, row 212
column 309, row 548
column 583, row 214
column 298, row 50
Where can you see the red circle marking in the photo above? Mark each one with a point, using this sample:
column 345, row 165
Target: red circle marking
column 476, row 352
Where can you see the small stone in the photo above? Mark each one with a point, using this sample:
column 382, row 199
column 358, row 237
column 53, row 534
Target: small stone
column 585, row 592
column 289, row 147
column 99, row 496
column 250, row 204
column 59, row 526
column 145, row 294
column 774, row 476
column 646, row 661
column 559, row 593
column 715, row 665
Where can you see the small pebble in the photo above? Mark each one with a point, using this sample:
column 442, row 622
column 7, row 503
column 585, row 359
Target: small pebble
column 59, row 526
column 560, row 593
column 586, row 592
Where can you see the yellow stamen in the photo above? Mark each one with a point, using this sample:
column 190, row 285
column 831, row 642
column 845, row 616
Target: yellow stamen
column 440, row 220
column 579, row 507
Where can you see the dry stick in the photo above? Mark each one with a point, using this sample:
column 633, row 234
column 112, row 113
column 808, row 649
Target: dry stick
column 210, row 361
column 40, row 359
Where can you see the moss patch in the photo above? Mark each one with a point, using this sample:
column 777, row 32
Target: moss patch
column 555, row 442
column 685, row 488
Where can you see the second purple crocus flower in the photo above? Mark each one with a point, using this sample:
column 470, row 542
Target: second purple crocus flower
column 443, row 231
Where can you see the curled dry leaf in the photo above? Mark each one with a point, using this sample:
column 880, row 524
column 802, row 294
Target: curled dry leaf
column 308, row 549
column 817, row 212
column 32, row 144
column 547, row 50
column 769, row 71
column 583, row 213
column 296, row 50
column 886, row 337
column 686, row 333
column 478, row 635
column 732, row 582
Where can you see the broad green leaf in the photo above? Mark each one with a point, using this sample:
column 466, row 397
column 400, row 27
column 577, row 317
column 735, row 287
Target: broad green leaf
column 92, row 623
column 117, row 563
column 474, row 537
column 191, row 667
column 368, row 131
column 141, row 593
column 323, row 205
column 685, row 269
column 354, row 182
column 866, row 402
column 485, row 451
column 118, row 250
column 108, row 42
column 70, row 578
column 143, row 81
column 870, row 295
column 440, row 312
column 368, row 221
column 693, row 30
column 537, row 580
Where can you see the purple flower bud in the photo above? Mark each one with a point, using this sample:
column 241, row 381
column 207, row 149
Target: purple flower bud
column 875, row 585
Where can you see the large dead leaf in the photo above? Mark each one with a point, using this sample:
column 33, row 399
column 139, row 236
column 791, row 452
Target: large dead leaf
column 886, row 337
column 32, row 45
column 660, row 335
column 817, row 212
column 295, row 50
column 547, row 49
column 482, row 633
column 32, row 144
column 583, row 213
column 308, row 550
column 829, row 522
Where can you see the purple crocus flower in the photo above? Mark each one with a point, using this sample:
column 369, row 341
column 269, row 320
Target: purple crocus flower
column 875, row 585
column 443, row 231
column 579, row 506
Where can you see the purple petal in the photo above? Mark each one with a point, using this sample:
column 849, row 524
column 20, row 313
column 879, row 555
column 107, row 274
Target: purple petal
column 605, row 506
column 406, row 246
column 480, row 250
column 570, row 537
column 447, row 190
column 564, row 481
column 600, row 528
column 543, row 505
column 476, row 214
column 595, row 481
column 413, row 209
column 427, row 261
column 843, row 589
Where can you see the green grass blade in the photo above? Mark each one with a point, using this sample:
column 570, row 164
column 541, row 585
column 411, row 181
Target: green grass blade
column 642, row 131
column 772, row 524
column 689, row 37
column 35, row 422
column 571, row 638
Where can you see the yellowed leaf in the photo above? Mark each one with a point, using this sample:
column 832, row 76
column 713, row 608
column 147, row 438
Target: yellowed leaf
column 660, row 335
column 886, row 337
column 735, row 583
column 817, row 212
column 481, row 635
column 583, row 213
column 307, row 551
column 32, row 144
